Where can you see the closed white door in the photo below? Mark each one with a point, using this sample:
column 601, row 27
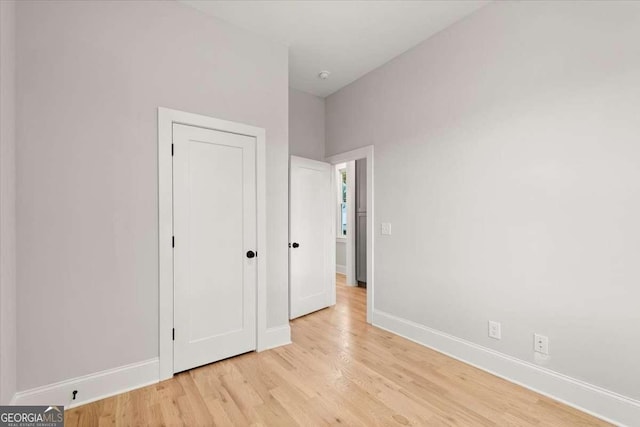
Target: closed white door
column 214, row 203
column 311, row 236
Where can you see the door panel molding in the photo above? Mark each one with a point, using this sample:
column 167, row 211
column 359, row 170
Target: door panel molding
column 166, row 119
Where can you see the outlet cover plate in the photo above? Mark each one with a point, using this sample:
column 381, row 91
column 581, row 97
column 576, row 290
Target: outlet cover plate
column 495, row 330
column 541, row 344
column 385, row 229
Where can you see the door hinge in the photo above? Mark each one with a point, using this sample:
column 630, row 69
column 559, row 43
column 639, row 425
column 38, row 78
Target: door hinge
column 173, row 334
column 172, row 149
column 173, row 241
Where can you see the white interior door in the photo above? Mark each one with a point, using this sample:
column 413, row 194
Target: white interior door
column 214, row 203
column 312, row 237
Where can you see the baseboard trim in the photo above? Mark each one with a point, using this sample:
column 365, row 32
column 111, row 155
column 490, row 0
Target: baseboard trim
column 276, row 337
column 342, row 269
column 92, row 387
column 601, row 403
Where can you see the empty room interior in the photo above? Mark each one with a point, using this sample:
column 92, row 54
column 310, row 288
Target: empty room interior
column 307, row 213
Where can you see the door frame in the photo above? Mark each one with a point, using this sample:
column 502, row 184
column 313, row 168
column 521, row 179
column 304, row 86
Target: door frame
column 166, row 118
column 364, row 153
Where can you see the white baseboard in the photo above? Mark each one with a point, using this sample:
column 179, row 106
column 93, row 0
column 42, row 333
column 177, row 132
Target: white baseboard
column 92, row 387
column 276, row 337
column 114, row 381
column 607, row 405
column 342, row 269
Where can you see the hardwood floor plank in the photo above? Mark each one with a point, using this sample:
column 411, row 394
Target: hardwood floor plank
column 338, row 371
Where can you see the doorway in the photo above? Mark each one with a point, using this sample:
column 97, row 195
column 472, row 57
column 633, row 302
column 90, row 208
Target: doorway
column 312, row 207
column 351, row 221
column 364, row 208
column 212, row 234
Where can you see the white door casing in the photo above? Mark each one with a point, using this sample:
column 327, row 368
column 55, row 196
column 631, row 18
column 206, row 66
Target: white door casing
column 214, row 212
column 312, row 230
column 351, row 223
column 166, row 120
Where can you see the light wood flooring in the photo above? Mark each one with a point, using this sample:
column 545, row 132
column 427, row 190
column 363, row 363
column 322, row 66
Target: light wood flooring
column 340, row 371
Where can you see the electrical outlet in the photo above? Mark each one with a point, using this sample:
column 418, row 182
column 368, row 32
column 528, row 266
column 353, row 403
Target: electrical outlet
column 541, row 344
column 495, row 330
column 385, row 229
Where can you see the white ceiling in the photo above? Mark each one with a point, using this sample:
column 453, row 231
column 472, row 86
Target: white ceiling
column 347, row 38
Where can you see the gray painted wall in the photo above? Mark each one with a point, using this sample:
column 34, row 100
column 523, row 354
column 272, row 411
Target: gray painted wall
column 506, row 159
column 7, row 204
column 90, row 78
column 306, row 125
column 341, row 253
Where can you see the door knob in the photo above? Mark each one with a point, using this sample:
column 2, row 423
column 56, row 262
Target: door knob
column 251, row 254
column 296, row 245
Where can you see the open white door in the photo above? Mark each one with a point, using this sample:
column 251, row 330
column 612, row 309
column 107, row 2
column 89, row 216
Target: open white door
column 312, row 237
column 214, row 203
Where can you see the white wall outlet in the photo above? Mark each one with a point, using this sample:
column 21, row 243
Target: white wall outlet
column 495, row 330
column 541, row 343
column 385, row 229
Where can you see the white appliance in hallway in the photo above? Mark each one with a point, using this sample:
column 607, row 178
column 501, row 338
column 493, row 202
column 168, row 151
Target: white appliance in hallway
column 214, row 185
column 311, row 236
